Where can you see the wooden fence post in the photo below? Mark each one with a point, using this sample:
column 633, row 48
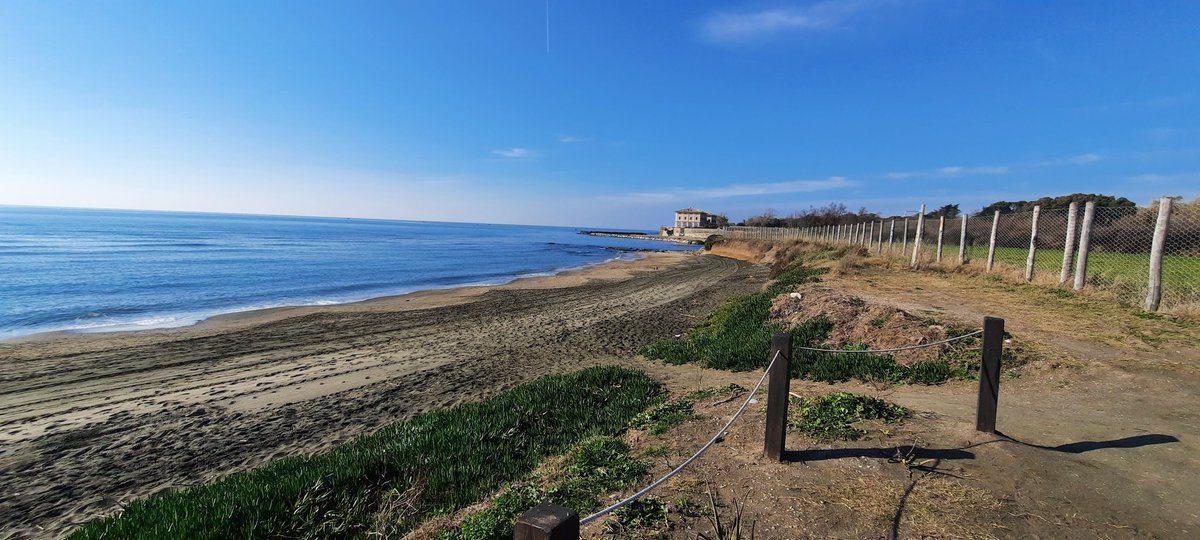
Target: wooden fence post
column 962, row 241
column 1154, row 291
column 941, row 230
column 547, row 521
column 992, row 242
column 1085, row 238
column 916, row 256
column 989, row 374
column 1032, row 245
column 904, row 239
column 1069, row 243
column 777, row 394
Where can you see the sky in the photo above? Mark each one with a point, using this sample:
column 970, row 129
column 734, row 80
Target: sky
column 598, row 114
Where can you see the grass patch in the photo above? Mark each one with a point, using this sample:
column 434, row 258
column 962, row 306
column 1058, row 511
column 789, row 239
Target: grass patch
column 829, row 417
column 646, row 516
column 659, row 418
column 388, row 482
column 596, row 466
column 735, row 336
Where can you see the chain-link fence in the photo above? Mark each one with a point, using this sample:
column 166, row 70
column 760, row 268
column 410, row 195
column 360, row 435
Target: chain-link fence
column 1145, row 256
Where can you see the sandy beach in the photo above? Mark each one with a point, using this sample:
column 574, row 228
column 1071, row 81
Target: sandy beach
column 91, row 421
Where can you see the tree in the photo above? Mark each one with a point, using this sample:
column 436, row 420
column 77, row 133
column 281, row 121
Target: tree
column 720, row 220
column 1054, row 203
column 949, row 211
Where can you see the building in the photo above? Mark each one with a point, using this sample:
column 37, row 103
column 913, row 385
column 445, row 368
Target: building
column 692, row 218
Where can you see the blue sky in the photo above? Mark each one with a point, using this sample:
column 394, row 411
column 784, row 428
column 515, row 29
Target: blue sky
column 459, row 110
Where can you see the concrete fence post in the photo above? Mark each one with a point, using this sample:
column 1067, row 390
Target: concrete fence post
column 891, row 235
column 1068, row 244
column 991, row 261
column 879, row 241
column 962, row 241
column 1085, row 239
column 1154, row 289
column 904, row 239
column 941, row 230
column 916, row 252
column 1029, row 260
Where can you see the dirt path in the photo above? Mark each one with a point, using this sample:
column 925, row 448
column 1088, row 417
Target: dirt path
column 1108, row 416
column 89, row 423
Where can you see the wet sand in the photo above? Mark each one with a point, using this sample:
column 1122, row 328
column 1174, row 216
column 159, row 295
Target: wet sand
column 91, row 421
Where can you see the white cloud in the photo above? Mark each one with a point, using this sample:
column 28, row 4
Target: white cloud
column 987, row 169
column 1174, row 177
column 738, row 190
column 568, row 139
column 515, row 153
column 724, row 27
column 1084, row 159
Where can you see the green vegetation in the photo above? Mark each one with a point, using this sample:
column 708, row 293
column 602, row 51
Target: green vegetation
column 829, row 417
column 839, row 367
column 596, row 466
column 735, row 336
column 659, row 418
column 388, row 482
column 645, row 515
column 1181, row 274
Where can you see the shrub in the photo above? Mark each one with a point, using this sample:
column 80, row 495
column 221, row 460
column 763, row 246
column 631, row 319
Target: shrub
column 829, row 417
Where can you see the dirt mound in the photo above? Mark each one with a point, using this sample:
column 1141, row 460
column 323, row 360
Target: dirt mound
column 857, row 322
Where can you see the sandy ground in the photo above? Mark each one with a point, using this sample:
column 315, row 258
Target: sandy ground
column 88, row 422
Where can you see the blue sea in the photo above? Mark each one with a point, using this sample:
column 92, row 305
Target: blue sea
column 112, row 270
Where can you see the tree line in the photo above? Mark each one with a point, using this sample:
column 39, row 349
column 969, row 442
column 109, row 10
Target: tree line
column 839, row 214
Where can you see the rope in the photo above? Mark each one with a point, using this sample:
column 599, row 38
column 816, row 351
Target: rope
column 905, row 348
column 688, row 461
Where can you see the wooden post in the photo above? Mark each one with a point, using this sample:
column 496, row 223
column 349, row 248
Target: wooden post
column 989, row 374
column 992, row 242
column 547, row 521
column 1154, row 291
column 916, row 255
column 891, row 235
column 777, row 394
column 1085, row 238
column 1032, row 245
column 962, row 241
column 1068, row 244
column 941, row 230
column 904, row 239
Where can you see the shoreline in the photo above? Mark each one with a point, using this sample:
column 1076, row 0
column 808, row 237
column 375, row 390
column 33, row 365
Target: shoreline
column 415, row 299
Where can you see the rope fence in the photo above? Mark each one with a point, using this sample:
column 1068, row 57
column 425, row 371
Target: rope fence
column 716, row 437
column 548, row 521
column 894, row 349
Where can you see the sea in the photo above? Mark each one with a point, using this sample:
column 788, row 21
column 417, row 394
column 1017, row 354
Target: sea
column 116, row 270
